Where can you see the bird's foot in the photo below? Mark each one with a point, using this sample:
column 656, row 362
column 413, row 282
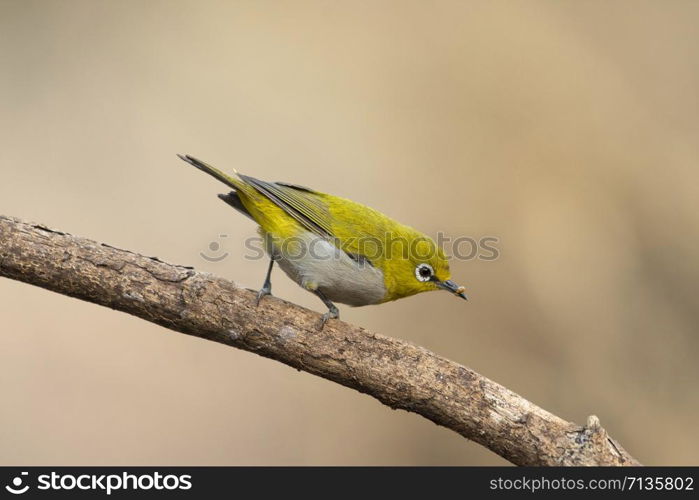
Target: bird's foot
column 265, row 290
column 333, row 313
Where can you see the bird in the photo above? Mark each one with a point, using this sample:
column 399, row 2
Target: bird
column 338, row 249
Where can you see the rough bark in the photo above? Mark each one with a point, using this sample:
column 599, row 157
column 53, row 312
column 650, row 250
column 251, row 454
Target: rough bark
column 395, row 372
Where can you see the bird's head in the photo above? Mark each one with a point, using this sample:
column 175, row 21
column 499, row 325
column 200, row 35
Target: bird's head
column 414, row 263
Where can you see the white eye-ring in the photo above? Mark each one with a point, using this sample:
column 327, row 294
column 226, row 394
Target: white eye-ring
column 424, row 272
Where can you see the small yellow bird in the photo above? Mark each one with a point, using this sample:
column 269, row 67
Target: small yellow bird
column 338, row 249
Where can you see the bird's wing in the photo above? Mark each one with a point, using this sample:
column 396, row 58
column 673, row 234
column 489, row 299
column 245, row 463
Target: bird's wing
column 310, row 209
column 301, row 203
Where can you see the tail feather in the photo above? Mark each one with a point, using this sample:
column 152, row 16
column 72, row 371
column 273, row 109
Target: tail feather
column 212, row 171
column 233, row 200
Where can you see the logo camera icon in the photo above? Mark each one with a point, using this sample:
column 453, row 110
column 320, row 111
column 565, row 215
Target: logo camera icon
column 16, row 487
column 214, row 246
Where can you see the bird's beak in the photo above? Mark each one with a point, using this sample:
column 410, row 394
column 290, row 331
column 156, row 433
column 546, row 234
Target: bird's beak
column 452, row 287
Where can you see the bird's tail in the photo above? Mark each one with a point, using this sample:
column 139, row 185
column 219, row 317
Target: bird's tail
column 230, row 181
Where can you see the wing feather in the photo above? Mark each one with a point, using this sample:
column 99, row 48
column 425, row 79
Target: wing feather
column 302, row 204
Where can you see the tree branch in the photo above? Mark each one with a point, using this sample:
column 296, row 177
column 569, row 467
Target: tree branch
column 398, row 374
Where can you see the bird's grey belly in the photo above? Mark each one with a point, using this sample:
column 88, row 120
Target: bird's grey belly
column 316, row 264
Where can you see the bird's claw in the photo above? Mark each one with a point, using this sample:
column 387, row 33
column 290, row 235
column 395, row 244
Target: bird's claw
column 333, row 313
column 263, row 291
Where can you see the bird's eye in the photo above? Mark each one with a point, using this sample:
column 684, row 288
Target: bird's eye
column 424, row 272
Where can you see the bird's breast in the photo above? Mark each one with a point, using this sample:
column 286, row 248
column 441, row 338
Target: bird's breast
column 316, row 264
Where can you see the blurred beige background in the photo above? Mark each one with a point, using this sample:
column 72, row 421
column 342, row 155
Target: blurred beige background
column 566, row 129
